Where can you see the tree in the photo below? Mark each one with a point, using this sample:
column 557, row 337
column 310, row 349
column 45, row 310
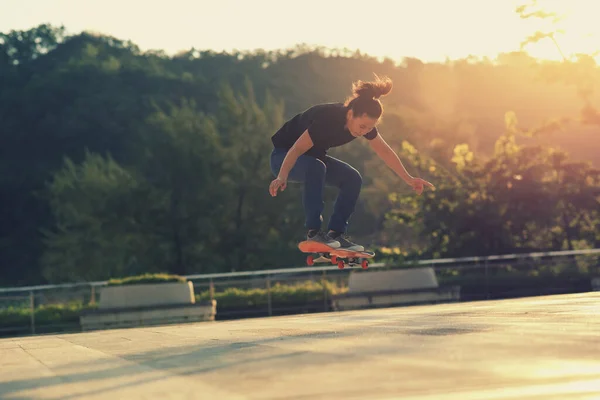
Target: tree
column 160, row 216
column 97, row 232
column 524, row 198
column 256, row 229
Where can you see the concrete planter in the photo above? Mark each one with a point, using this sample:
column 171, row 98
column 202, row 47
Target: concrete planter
column 394, row 288
column 147, row 294
column 137, row 305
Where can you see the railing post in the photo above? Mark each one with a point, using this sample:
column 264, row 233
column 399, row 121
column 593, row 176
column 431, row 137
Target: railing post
column 269, row 305
column 32, row 307
column 211, row 290
column 324, row 282
column 487, row 285
column 93, row 295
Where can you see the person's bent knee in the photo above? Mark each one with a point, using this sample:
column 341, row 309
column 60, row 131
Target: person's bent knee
column 316, row 169
column 355, row 178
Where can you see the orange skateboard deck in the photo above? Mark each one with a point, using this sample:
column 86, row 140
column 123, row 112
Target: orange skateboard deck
column 308, row 246
column 340, row 257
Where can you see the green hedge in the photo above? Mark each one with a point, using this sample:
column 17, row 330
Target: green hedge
column 146, row 278
column 13, row 317
column 306, row 292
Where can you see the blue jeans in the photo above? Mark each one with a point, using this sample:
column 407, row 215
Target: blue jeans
column 315, row 174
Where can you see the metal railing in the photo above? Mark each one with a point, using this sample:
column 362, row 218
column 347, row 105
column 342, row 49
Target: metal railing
column 482, row 271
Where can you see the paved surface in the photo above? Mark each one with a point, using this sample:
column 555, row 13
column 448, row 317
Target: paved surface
column 536, row 348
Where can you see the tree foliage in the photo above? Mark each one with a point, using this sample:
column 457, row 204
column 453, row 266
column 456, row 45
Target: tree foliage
column 116, row 161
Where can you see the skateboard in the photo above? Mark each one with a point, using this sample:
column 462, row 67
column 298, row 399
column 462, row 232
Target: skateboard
column 340, row 257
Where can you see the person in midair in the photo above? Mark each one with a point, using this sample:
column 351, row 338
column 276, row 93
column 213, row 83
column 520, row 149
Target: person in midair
column 300, row 155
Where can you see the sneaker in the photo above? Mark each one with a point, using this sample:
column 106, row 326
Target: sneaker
column 345, row 244
column 321, row 237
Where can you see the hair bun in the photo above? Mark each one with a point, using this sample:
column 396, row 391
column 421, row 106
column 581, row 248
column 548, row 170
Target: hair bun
column 373, row 89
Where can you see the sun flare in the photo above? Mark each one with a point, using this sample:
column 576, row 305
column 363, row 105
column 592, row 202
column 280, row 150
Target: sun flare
column 430, row 30
column 562, row 30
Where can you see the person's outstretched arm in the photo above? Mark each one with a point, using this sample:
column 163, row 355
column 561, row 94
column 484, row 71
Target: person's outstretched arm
column 389, row 156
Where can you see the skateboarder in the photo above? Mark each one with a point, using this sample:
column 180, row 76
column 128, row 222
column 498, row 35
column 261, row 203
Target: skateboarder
column 300, row 155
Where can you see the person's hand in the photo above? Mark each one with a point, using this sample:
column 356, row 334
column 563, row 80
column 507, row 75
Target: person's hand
column 419, row 184
column 276, row 184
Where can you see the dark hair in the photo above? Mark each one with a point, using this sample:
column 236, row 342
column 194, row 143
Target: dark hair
column 365, row 97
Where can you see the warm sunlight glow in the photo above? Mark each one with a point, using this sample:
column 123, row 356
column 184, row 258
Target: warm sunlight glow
column 431, row 30
column 577, row 31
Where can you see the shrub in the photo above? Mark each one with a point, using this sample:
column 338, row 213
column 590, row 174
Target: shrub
column 146, row 278
column 13, row 317
column 305, row 292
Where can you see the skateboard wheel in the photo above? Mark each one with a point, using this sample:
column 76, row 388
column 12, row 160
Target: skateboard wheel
column 340, row 264
column 310, row 260
column 333, row 259
column 365, row 264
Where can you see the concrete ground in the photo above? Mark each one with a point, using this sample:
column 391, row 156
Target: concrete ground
column 534, row 348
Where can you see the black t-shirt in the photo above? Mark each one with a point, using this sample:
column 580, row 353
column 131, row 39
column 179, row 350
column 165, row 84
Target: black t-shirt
column 325, row 124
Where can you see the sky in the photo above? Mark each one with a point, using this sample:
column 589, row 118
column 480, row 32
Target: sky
column 431, row 30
